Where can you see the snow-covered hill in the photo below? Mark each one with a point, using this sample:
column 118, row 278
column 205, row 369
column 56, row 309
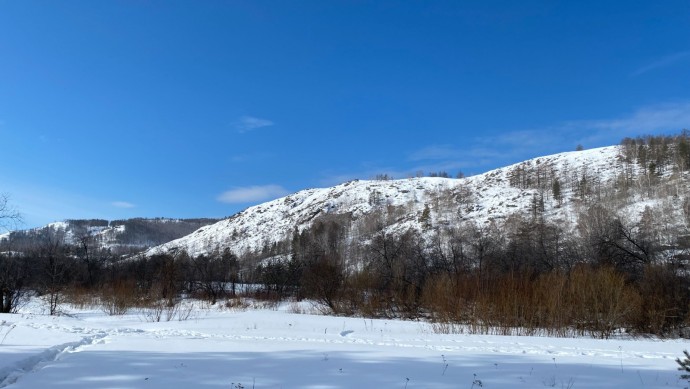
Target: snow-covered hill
column 118, row 235
column 401, row 204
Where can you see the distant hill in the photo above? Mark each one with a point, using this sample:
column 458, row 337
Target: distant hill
column 119, row 236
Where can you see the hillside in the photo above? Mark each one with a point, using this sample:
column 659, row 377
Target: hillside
column 118, row 236
column 556, row 186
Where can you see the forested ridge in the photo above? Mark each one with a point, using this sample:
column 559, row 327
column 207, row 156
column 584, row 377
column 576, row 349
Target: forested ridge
column 126, row 236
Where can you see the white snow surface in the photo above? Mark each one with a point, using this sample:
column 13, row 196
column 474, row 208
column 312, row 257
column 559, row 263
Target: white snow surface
column 479, row 198
column 262, row 348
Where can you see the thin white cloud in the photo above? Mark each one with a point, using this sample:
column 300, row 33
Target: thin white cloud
column 122, row 204
column 658, row 117
column 663, row 62
column 251, row 123
column 514, row 146
column 251, row 194
column 482, row 153
column 434, row 152
column 651, row 119
column 523, row 138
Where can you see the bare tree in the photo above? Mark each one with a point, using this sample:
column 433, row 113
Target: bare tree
column 9, row 217
column 89, row 254
column 14, row 277
column 55, row 267
column 13, row 270
column 212, row 274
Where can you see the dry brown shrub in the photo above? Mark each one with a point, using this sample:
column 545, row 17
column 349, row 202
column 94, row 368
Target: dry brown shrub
column 602, row 303
column 361, row 296
column 664, row 306
column 119, row 298
column 237, row 304
column 554, row 316
column 451, row 298
column 595, row 302
column 81, row 298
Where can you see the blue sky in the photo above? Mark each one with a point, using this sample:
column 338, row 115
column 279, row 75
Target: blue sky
column 117, row 109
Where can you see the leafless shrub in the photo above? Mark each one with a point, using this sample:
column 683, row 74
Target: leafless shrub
column 237, row 304
column 119, row 298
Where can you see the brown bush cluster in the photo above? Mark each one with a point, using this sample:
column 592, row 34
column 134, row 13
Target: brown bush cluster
column 587, row 301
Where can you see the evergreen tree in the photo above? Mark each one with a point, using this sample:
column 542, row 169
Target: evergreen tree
column 556, row 189
column 684, row 365
column 425, row 218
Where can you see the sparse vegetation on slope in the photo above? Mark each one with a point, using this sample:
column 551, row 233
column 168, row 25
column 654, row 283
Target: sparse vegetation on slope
column 594, row 242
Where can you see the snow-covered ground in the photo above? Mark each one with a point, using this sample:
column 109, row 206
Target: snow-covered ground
column 267, row 348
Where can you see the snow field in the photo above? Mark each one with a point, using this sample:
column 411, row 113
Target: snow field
column 277, row 349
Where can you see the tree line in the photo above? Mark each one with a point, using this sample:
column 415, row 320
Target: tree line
column 60, row 272
column 127, row 236
column 606, row 272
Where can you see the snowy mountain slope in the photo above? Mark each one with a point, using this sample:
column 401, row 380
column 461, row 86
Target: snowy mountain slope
column 106, row 235
column 492, row 196
column 119, row 235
